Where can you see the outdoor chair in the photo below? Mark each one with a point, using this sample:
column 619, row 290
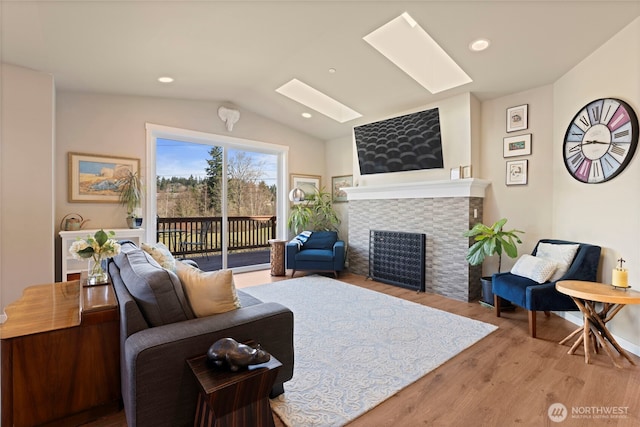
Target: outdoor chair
column 200, row 241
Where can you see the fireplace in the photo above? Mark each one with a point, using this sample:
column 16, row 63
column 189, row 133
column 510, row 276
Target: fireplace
column 441, row 210
column 397, row 258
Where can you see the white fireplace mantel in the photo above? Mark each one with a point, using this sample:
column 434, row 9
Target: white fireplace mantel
column 469, row 187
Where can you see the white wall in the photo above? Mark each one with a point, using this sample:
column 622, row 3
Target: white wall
column 115, row 125
column 26, row 181
column 526, row 207
column 605, row 214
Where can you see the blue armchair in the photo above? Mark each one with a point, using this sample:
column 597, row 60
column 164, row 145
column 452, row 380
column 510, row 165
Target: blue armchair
column 533, row 296
column 322, row 251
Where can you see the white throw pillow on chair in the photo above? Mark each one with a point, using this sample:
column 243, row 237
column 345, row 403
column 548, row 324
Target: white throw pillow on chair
column 537, row 269
column 562, row 255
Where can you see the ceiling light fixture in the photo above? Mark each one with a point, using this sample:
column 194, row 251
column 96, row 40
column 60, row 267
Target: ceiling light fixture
column 479, row 45
column 316, row 100
column 405, row 43
column 306, row 115
column 165, row 79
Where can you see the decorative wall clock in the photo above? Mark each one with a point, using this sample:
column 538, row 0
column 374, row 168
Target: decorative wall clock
column 600, row 140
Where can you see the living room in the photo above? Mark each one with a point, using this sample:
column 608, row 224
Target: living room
column 41, row 124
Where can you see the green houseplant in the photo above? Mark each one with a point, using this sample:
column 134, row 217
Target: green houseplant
column 314, row 213
column 489, row 241
column 130, row 188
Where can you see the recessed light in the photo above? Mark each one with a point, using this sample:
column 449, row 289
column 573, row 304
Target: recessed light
column 306, row 115
column 165, row 79
column 332, row 70
column 479, row 45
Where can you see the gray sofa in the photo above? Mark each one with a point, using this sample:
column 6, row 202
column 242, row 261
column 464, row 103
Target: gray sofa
column 158, row 333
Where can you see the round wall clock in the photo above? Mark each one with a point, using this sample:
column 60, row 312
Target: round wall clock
column 600, row 140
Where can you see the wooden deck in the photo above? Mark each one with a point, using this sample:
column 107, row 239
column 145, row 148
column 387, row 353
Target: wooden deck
column 241, row 259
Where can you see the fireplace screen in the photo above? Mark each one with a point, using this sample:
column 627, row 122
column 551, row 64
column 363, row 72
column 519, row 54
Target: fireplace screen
column 397, row 258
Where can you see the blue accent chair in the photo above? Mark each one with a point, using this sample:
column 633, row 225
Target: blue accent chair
column 321, row 252
column 532, row 296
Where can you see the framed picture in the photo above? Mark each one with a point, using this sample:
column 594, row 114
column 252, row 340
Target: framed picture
column 307, row 183
column 93, row 178
column 517, row 118
column 517, row 172
column 516, row 145
column 338, row 195
column 466, row 171
column 455, row 173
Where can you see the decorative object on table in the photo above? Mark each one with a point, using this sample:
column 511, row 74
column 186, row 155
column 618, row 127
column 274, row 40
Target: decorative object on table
column 130, row 188
column 72, row 222
column 517, row 172
column 96, row 249
column 94, row 178
column 466, row 171
column 517, row 118
column 229, row 354
column 519, row 145
column 314, row 213
column 338, row 195
column 491, row 241
column 619, row 276
column 600, row 140
column 229, row 116
column 296, row 195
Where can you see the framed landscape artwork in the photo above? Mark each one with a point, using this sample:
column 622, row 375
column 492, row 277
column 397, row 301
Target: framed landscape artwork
column 307, row 183
column 517, row 146
column 337, row 184
column 93, row 177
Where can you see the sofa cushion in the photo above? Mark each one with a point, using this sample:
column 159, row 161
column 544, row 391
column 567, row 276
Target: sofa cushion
column 208, row 292
column 157, row 291
column 161, row 254
column 537, row 269
column 321, row 240
column 321, row 255
column 561, row 254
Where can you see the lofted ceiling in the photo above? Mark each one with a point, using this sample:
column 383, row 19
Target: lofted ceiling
column 238, row 52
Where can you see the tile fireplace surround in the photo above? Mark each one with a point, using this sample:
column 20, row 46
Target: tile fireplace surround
column 443, row 210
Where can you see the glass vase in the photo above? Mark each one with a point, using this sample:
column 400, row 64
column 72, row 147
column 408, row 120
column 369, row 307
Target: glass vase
column 97, row 274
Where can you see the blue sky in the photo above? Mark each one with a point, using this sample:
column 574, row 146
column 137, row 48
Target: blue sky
column 183, row 159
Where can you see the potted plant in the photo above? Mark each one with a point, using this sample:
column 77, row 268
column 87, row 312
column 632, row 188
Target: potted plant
column 491, row 241
column 130, row 188
column 314, row 213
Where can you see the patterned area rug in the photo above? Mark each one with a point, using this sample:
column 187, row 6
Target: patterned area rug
column 354, row 347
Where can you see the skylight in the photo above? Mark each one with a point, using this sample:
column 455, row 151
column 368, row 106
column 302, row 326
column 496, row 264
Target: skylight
column 405, row 43
column 312, row 98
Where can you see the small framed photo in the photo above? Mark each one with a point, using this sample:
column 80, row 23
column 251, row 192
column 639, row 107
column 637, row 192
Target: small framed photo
column 93, row 178
column 456, row 173
column 516, row 146
column 517, row 172
column 466, row 171
column 338, row 195
column 309, row 184
column 517, row 118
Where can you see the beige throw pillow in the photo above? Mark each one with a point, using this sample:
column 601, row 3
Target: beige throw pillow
column 161, row 254
column 208, row 292
column 537, row 269
column 562, row 255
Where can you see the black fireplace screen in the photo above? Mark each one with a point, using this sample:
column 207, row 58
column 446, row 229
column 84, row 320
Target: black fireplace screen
column 397, row 258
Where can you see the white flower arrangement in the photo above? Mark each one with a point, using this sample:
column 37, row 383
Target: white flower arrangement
column 101, row 245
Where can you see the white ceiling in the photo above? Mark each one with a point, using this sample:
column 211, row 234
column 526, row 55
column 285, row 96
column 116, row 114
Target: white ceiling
column 239, row 52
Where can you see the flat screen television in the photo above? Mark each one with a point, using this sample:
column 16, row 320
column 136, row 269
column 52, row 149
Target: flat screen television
column 404, row 143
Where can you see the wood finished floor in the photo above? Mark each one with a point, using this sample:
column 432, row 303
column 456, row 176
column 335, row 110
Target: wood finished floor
column 506, row 379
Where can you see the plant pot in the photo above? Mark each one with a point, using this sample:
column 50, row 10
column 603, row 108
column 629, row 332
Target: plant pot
column 487, row 295
column 134, row 222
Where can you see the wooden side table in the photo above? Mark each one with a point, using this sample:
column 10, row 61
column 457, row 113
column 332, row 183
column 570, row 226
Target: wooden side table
column 277, row 257
column 594, row 330
column 234, row 398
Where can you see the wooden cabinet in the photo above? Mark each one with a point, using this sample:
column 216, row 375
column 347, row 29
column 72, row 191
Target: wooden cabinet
column 60, row 355
column 72, row 267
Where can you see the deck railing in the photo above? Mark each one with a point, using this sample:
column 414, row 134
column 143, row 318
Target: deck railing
column 203, row 235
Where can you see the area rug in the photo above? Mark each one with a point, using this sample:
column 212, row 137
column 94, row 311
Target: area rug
column 355, row 347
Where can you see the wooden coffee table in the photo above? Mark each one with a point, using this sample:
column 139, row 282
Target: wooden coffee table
column 234, row 398
column 594, row 331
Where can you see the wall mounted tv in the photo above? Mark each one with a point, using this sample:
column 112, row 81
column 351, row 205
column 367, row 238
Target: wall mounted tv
column 404, row 143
